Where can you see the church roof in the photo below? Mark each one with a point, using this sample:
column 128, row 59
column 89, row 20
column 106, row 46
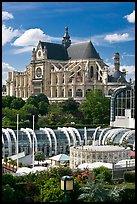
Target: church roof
column 82, row 50
column 55, row 51
column 117, row 76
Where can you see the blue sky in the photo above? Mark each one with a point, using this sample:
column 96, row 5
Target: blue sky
column 109, row 25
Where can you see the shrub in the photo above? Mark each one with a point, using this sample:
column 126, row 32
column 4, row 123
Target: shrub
column 8, row 179
column 8, row 194
column 129, row 176
column 102, row 173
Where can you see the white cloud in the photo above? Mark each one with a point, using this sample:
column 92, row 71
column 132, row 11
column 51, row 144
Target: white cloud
column 117, row 37
column 130, row 71
column 6, row 15
column 131, row 17
column 23, row 50
column 5, row 69
column 8, row 34
column 31, row 37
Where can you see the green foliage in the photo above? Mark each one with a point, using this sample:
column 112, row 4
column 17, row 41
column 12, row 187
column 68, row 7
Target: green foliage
column 70, row 106
column 42, row 97
column 17, row 103
column 9, row 179
column 7, row 100
column 32, row 101
column 128, row 195
column 96, row 107
column 39, row 156
column 102, row 173
column 8, row 194
column 51, row 191
column 95, row 192
column 43, row 108
column 129, row 176
column 30, row 110
column 60, row 171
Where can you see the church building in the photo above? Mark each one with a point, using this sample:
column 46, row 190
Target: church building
column 63, row 71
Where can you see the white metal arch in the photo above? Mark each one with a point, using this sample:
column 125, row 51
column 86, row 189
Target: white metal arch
column 9, row 141
column 77, row 133
column 28, row 135
column 100, row 136
column 113, row 134
column 3, row 148
column 2, row 139
column 126, row 135
column 13, row 134
column 72, row 134
column 34, row 135
column 49, row 137
column 85, row 136
column 105, row 136
column 66, row 134
column 54, row 136
column 94, row 134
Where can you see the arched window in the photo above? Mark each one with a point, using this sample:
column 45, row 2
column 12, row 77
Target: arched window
column 91, row 71
column 62, row 93
column 79, row 93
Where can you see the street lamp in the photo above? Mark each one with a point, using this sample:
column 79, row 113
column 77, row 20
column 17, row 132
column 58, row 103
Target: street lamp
column 67, row 185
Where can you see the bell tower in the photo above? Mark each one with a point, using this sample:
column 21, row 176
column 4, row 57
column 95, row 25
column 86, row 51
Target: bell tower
column 66, row 38
column 116, row 61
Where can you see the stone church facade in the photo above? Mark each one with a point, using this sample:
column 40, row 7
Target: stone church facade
column 63, row 71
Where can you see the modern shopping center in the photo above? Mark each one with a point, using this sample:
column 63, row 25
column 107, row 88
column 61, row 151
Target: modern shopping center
column 55, row 141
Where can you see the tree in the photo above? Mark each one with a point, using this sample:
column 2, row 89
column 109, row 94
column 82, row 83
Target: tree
column 39, row 156
column 51, row 191
column 42, row 97
column 55, row 113
column 17, row 103
column 96, row 108
column 70, row 106
column 43, row 108
column 7, row 100
column 95, row 191
column 30, row 110
column 102, row 173
column 32, row 100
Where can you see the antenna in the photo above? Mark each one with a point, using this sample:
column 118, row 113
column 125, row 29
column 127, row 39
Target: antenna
column 116, row 49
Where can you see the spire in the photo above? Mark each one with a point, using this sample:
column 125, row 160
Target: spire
column 116, row 61
column 66, row 38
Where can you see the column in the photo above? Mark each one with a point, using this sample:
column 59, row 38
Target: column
column 8, row 88
column 59, row 82
column 53, row 84
column 73, row 88
column 65, row 84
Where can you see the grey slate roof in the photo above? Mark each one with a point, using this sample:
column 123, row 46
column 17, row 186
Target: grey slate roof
column 55, row 51
column 84, row 50
column 117, row 76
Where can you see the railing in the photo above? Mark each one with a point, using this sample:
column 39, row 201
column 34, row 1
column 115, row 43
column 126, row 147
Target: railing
column 8, row 168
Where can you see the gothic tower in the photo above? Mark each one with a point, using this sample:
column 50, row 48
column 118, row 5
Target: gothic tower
column 66, row 38
column 116, row 61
